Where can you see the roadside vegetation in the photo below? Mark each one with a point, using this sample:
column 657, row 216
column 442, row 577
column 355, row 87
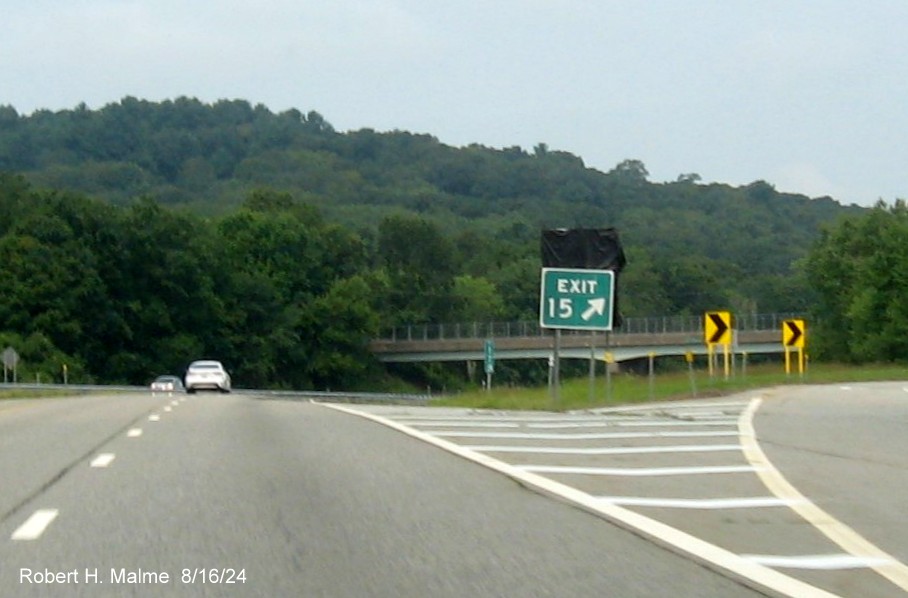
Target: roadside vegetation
column 666, row 386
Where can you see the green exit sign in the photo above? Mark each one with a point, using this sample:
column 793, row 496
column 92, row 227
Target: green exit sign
column 576, row 299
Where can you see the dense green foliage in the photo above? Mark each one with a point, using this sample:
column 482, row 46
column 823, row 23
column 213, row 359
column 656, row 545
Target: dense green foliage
column 142, row 235
column 122, row 294
column 860, row 272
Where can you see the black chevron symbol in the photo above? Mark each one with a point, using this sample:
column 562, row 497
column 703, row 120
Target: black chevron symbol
column 795, row 333
column 721, row 328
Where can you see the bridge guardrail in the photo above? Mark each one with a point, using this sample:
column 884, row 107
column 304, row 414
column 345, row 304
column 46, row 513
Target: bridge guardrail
column 530, row 328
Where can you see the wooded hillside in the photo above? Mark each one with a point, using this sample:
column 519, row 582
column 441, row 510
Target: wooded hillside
column 293, row 212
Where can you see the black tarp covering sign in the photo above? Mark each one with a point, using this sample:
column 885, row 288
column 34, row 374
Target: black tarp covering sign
column 585, row 248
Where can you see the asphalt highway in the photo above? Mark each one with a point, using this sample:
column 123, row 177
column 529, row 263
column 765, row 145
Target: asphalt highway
column 214, row 495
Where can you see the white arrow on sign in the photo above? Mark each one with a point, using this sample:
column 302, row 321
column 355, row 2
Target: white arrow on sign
column 597, row 307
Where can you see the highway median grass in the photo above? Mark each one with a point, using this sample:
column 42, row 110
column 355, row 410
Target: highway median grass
column 626, row 388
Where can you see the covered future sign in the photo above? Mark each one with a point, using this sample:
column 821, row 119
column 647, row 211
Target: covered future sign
column 586, row 249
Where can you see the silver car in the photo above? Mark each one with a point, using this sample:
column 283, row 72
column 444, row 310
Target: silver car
column 207, row 374
column 167, row 383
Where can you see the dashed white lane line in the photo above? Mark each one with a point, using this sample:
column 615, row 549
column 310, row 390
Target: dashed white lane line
column 168, row 408
column 637, row 471
column 154, row 417
column 754, row 502
column 848, row 539
column 174, row 403
column 624, row 450
column 103, row 460
column 826, row 562
column 35, row 525
column 134, row 432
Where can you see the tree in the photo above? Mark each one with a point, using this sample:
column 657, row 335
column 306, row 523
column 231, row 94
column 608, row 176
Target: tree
column 859, row 271
column 477, row 299
column 631, row 170
column 341, row 356
column 418, row 259
column 691, row 177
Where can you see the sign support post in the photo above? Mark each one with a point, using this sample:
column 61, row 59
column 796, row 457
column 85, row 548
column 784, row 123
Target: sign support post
column 717, row 331
column 489, row 352
column 574, row 299
column 794, row 334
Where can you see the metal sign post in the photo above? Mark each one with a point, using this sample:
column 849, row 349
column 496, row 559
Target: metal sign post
column 717, row 331
column 794, row 335
column 574, row 299
column 489, row 351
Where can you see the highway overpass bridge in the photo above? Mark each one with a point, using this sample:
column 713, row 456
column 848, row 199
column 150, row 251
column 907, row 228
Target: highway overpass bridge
column 636, row 338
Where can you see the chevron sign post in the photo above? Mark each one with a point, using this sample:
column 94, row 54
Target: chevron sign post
column 717, row 331
column 794, row 334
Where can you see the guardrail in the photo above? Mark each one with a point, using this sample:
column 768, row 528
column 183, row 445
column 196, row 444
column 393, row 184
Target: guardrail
column 529, row 328
column 284, row 395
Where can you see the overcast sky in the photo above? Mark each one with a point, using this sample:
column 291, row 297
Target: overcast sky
column 808, row 95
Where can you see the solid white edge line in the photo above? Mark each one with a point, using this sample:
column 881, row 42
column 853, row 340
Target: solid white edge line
column 845, row 537
column 35, row 525
column 676, row 540
column 103, row 460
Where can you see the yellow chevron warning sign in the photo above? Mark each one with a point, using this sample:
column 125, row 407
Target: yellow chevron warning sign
column 794, row 333
column 717, row 328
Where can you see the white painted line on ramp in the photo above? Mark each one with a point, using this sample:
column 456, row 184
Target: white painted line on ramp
column 624, row 450
column 698, row 503
column 824, row 562
column 103, row 460
column 602, row 436
column 715, row 557
column 656, row 423
column 637, row 471
column 35, row 525
column 462, row 424
column 848, row 539
column 634, row 409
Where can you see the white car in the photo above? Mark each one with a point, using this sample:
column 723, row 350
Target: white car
column 206, row 374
